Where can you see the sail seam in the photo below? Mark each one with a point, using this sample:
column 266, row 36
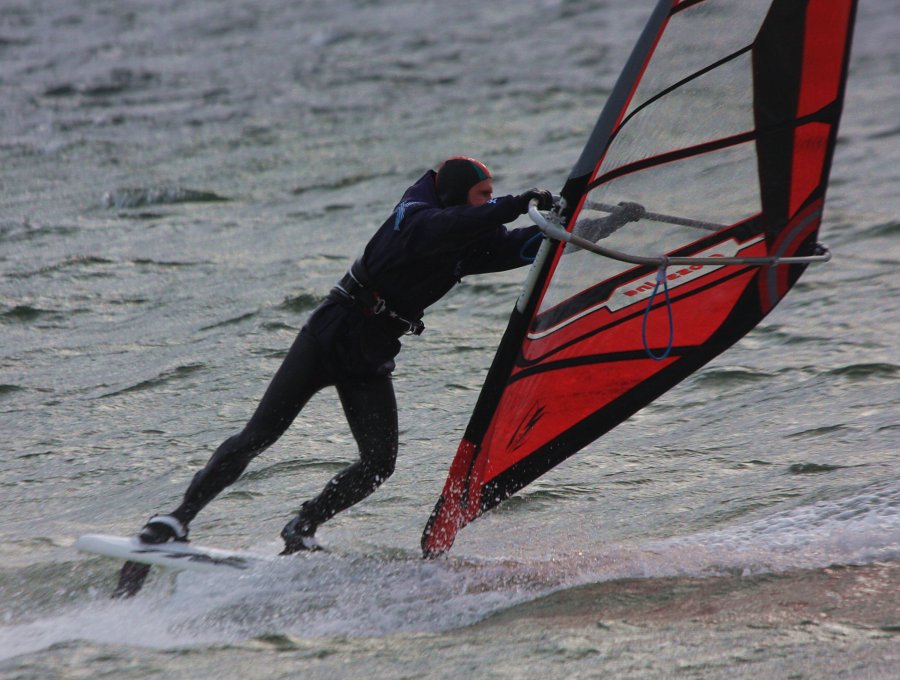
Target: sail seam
column 680, row 83
column 708, row 147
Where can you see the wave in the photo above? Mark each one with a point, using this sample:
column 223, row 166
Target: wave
column 303, row 302
column 824, row 431
column 240, row 318
column 7, row 41
column 884, row 134
column 172, row 375
column 167, row 263
column 812, row 468
column 23, row 313
column 389, row 591
column 861, row 372
column 137, row 197
column 117, row 81
column 90, row 266
column 8, row 390
column 12, row 231
column 859, row 529
column 28, row 313
column 730, row 377
column 342, row 183
column 293, row 466
column 882, row 230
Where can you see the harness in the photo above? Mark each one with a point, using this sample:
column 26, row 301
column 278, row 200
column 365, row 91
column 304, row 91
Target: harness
column 357, row 286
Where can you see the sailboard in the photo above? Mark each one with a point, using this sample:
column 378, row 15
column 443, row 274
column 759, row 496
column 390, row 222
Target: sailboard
column 715, row 145
column 176, row 556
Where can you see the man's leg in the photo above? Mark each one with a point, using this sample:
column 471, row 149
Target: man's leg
column 371, row 409
column 299, row 377
column 296, row 381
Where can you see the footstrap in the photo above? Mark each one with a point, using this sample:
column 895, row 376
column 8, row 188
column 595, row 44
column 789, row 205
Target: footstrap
column 180, row 530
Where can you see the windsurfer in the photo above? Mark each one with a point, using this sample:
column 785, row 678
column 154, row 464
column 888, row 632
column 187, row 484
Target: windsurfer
column 447, row 225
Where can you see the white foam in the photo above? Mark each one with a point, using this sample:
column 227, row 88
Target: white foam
column 333, row 594
column 860, row 529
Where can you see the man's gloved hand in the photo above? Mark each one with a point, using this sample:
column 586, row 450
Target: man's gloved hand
column 544, row 199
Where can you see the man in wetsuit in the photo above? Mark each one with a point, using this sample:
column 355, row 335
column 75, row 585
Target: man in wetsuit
column 446, row 226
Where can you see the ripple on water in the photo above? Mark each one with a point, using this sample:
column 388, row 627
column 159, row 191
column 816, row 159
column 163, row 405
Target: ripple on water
column 169, row 376
column 137, row 197
column 865, row 371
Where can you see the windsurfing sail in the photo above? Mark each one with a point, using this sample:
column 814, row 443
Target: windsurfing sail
column 709, row 161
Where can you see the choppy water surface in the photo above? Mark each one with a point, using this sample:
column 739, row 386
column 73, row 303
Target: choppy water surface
column 183, row 182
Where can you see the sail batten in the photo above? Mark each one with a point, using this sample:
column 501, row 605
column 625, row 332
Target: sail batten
column 725, row 148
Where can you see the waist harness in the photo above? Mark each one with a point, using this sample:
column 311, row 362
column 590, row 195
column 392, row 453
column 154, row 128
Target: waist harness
column 357, row 286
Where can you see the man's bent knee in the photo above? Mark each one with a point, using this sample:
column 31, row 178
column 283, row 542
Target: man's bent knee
column 380, row 471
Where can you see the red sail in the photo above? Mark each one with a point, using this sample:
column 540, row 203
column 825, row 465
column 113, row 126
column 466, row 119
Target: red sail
column 722, row 127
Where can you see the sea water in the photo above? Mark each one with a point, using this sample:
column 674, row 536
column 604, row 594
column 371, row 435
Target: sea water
column 183, row 182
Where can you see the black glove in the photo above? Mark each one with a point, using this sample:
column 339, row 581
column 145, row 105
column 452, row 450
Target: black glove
column 543, row 197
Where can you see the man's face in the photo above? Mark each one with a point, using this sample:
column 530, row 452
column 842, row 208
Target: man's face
column 481, row 193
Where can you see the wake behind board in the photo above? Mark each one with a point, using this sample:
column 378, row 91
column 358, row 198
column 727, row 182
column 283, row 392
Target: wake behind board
column 175, row 556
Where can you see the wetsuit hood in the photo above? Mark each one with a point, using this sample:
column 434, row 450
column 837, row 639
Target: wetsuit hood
column 456, row 176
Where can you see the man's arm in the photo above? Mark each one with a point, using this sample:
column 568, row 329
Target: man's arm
column 430, row 230
column 504, row 250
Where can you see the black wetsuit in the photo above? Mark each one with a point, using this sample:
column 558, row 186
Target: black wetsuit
column 419, row 253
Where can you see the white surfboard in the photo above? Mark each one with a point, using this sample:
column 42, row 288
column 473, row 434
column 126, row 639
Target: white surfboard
column 176, row 555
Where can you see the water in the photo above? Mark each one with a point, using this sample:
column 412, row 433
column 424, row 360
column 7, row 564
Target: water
column 182, row 182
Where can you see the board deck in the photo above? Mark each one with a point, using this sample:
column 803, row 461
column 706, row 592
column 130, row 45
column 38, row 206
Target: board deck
column 176, row 556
